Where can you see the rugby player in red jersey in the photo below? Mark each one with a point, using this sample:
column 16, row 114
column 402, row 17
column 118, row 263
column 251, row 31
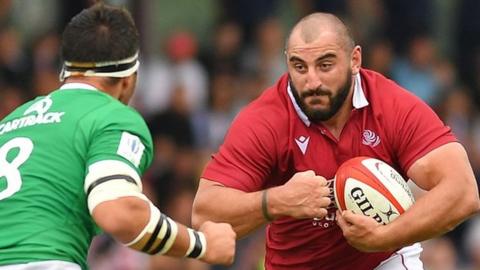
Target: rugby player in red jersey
column 279, row 152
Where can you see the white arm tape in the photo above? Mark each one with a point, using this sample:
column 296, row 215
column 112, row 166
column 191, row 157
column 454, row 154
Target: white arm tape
column 197, row 246
column 203, row 240
column 154, row 217
column 191, row 235
column 109, row 180
column 156, row 238
column 172, row 238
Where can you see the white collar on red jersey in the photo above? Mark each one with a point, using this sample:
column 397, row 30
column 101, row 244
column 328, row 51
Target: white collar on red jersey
column 77, row 86
column 359, row 100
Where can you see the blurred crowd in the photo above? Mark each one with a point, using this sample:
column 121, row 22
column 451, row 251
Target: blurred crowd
column 202, row 61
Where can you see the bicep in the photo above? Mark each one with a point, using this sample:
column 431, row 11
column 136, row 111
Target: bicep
column 209, row 191
column 448, row 163
column 415, row 131
column 246, row 158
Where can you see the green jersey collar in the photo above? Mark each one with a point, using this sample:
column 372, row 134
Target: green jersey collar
column 78, row 86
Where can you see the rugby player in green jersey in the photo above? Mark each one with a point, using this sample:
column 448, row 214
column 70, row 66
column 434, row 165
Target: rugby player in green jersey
column 70, row 162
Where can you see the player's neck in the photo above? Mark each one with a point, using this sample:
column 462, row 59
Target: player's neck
column 97, row 83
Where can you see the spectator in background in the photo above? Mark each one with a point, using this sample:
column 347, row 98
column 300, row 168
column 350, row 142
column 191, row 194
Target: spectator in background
column 188, row 73
column 13, row 61
column 365, row 28
column 10, row 98
column 223, row 55
column 439, row 254
column 45, row 63
column 471, row 241
column 406, row 19
column 380, row 57
column 181, row 70
column 416, row 72
column 266, row 56
column 211, row 126
column 249, row 14
column 457, row 113
column 468, row 45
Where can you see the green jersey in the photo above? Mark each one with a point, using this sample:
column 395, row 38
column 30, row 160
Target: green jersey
column 46, row 146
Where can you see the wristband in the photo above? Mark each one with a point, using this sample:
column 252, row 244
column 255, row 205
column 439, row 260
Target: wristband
column 265, row 213
column 198, row 244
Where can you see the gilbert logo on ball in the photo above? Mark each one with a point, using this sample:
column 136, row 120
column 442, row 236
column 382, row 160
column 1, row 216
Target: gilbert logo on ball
column 371, row 187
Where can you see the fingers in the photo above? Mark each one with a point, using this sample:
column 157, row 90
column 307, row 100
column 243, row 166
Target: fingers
column 307, row 195
column 310, row 175
column 357, row 219
column 320, row 213
column 348, row 216
column 342, row 223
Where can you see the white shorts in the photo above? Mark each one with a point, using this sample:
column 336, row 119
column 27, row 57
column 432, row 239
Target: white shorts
column 407, row 258
column 44, row 265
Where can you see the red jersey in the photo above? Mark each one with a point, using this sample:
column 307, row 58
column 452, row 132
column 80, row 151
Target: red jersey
column 272, row 139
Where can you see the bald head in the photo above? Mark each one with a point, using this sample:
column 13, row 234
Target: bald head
column 311, row 27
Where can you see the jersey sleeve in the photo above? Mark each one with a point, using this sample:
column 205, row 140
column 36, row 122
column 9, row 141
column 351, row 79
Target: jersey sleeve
column 417, row 130
column 118, row 133
column 247, row 156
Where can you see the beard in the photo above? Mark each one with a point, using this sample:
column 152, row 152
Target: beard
column 335, row 102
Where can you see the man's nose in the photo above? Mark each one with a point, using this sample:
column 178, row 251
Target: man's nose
column 313, row 80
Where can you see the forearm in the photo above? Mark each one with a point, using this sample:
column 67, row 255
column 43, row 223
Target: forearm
column 437, row 212
column 132, row 222
column 221, row 204
column 305, row 195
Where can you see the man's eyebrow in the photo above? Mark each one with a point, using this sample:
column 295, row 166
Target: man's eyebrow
column 320, row 58
column 325, row 56
column 295, row 58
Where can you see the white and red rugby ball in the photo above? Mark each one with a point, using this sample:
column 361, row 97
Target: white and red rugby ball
column 371, row 187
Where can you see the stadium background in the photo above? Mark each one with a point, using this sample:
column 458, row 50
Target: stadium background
column 203, row 60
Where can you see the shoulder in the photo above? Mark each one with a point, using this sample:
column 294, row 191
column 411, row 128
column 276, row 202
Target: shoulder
column 269, row 110
column 113, row 112
column 386, row 95
column 111, row 115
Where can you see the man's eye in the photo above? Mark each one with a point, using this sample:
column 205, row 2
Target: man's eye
column 325, row 66
column 300, row 68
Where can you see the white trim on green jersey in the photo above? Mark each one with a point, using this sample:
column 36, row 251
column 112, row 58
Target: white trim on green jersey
column 77, row 86
column 44, row 265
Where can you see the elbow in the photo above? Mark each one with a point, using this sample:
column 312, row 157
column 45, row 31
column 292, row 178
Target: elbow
column 122, row 218
column 467, row 206
column 471, row 205
column 116, row 227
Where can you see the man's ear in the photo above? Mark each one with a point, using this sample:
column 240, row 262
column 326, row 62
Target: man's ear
column 356, row 60
column 127, row 86
column 129, row 82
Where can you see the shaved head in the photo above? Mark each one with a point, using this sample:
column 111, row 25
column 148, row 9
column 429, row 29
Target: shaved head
column 311, row 27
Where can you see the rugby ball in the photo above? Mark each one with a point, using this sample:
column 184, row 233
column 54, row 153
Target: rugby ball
column 373, row 188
